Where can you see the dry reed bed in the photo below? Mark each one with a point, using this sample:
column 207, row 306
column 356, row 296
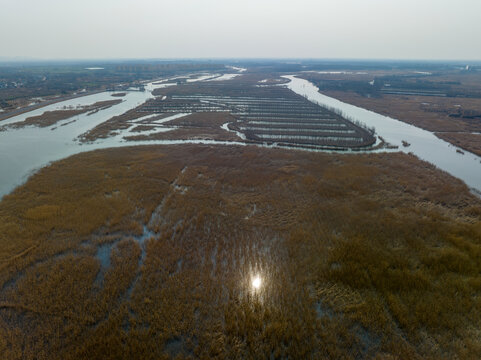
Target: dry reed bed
column 49, row 118
column 361, row 256
column 466, row 141
column 117, row 123
column 203, row 126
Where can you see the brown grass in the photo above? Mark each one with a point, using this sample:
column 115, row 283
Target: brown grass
column 121, row 122
column 240, row 86
column 362, row 256
column 188, row 134
column 49, row 118
column 199, row 126
column 22, row 105
column 428, row 112
column 107, row 128
column 212, row 120
column 466, row 141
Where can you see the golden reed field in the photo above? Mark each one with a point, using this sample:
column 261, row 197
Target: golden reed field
column 151, row 252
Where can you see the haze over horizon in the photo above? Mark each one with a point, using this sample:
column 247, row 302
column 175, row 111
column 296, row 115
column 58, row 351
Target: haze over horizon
column 371, row 29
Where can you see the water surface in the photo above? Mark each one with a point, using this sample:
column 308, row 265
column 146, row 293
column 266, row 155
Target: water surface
column 25, row 150
column 424, row 144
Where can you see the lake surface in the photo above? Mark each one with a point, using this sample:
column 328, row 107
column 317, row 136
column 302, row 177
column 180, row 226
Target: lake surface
column 424, row 144
column 25, row 150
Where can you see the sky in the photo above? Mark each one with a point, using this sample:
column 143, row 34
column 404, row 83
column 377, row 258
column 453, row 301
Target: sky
column 327, row 29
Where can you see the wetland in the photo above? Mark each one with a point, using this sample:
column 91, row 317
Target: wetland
column 236, row 213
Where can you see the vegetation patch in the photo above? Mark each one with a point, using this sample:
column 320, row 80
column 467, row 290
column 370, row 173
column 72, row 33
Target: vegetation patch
column 49, row 118
column 446, row 102
column 468, row 141
column 357, row 256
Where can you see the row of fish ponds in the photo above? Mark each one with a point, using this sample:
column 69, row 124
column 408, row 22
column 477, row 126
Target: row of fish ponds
column 272, row 119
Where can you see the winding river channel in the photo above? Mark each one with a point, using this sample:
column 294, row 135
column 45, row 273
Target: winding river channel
column 424, row 144
column 25, row 150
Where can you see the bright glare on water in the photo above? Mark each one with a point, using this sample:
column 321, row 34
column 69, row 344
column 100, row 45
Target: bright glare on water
column 256, row 282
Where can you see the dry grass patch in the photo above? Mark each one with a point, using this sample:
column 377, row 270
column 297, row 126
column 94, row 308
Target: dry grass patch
column 150, row 252
column 49, row 118
column 466, row 141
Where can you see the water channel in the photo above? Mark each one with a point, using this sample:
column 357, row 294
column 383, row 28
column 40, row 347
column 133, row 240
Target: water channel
column 424, row 144
column 25, row 150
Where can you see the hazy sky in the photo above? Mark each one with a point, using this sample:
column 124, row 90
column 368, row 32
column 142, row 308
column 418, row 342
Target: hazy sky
column 400, row 29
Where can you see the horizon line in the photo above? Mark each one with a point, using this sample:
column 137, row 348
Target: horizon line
column 21, row 59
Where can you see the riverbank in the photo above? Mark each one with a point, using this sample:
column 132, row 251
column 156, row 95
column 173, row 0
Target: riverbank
column 424, row 144
column 429, row 113
column 65, row 139
column 16, row 112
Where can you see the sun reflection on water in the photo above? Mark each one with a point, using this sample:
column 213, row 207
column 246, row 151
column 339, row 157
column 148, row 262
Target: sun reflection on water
column 256, row 282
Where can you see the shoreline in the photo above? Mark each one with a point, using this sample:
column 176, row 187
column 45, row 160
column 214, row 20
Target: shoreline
column 29, row 108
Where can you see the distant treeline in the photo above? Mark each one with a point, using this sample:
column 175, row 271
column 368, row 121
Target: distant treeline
column 168, row 68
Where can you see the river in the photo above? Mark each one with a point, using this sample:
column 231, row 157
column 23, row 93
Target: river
column 25, row 150
column 424, row 144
